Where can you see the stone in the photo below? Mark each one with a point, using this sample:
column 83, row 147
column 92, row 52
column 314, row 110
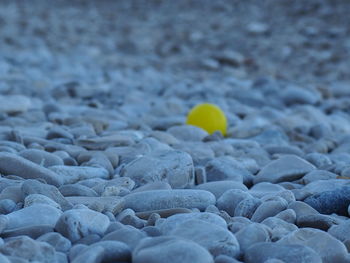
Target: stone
column 7, row 206
column 340, row 231
column 327, row 247
column 16, row 165
column 318, row 175
column 164, row 213
column 5, row 259
column 102, row 143
column 56, row 240
column 226, row 168
column 265, row 188
column 247, row 207
column 172, row 249
column 14, row 104
column 225, row 259
column 173, row 167
column 27, row 248
column 33, row 199
column 29, row 231
column 297, row 95
column 320, row 186
column 317, row 221
column 217, row 188
column 252, row 234
column 278, row 228
column 128, row 235
column 302, row 209
column 40, row 157
column 30, row 187
column 217, row 240
column 165, row 199
column 287, row 215
column 286, row 168
column 268, row 209
column 187, row 133
column 335, row 201
column 230, row 199
column 113, row 251
column 152, row 186
column 78, row 223
column 124, row 182
column 200, row 152
column 13, row 193
column 91, row 255
column 73, row 174
column 38, row 214
column 261, row 252
column 318, row 159
column 76, row 190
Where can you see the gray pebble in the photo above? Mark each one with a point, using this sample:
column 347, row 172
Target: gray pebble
column 33, row 199
column 247, row 207
column 40, row 157
column 128, row 235
column 56, row 240
column 268, row 209
column 76, row 190
column 219, row 187
column 252, row 234
column 187, row 133
column 287, row 215
column 230, row 199
column 7, row 206
column 317, row 221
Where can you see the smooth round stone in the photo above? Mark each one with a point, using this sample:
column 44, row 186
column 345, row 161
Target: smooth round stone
column 318, row 221
column 7, row 206
column 247, row 207
column 113, row 251
column 14, row 104
column 102, row 143
column 29, row 231
column 172, row 249
column 302, row 209
column 318, row 175
column 264, row 188
column 260, row 252
column 287, row 215
column 164, row 213
column 318, row 159
column 225, row 259
column 340, row 231
column 128, row 235
column 219, row 187
column 40, row 157
column 5, row 259
column 59, row 242
column 73, row 174
column 30, row 187
column 113, row 204
column 173, row 167
column 287, row 168
column 76, row 190
column 96, row 159
column 17, row 165
column 78, row 223
column 226, row 168
column 252, row 234
column 268, row 209
column 278, row 228
column 230, row 199
column 320, row 186
column 33, row 199
column 38, row 214
column 200, row 152
column 188, row 133
column 29, row 249
column 165, row 199
column 172, row 222
column 13, row 193
column 274, row 149
column 326, row 246
column 124, row 182
column 336, row 201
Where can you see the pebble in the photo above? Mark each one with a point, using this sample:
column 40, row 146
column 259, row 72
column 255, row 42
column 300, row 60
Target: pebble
column 102, row 143
column 287, row 168
column 38, row 214
column 164, row 213
column 14, row 104
column 317, row 221
column 76, row 190
column 165, row 199
column 73, row 174
column 16, row 165
column 217, row 240
column 287, row 215
column 129, row 235
column 78, row 223
column 268, row 209
column 335, row 201
column 261, row 252
column 171, row 247
column 327, row 247
column 251, row 234
column 317, row 175
column 40, row 157
column 247, row 207
column 217, row 188
column 113, row 204
column 7, row 206
column 173, row 167
column 265, row 188
column 187, row 133
column 56, row 240
column 30, row 231
column 34, row 199
column 278, row 228
column 230, row 199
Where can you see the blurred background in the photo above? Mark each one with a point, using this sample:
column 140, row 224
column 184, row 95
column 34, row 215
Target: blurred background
column 140, row 42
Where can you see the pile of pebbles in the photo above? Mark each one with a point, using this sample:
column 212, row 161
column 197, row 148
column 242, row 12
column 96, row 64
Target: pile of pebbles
column 97, row 164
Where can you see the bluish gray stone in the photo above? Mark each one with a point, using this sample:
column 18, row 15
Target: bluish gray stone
column 40, row 157
column 252, row 234
column 230, row 199
column 59, row 242
column 217, row 188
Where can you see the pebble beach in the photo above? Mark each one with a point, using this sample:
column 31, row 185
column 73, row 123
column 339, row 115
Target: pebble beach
column 98, row 163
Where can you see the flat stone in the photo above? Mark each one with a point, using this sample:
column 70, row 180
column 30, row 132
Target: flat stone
column 261, row 252
column 327, row 247
column 27, row 248
column 172, row 249
column 73, row 174
column 124, row 182
column 321, row 186
column 247, row 207
column 78, row 223
column 128, row 235
column 265, row 188
column 33, row 199
column 30, row 187
column 335, row 201
column 29, row 231
column 102, row 143
column 217, row 188
column 152, row 186
column 165, row 199
column 59, row 242
column 90, row 255
column 278, row 228
column 172, row 222
column 217, row 240
column 318, row 221
column 15, row 165
column 14, row 104
column 173, row 167
column 287, row 168
column 341, row 231
column 113, row 204
column 230, row 199
column 38, row 214
column 187, row 133
column 318, row 175
column 76, row 190
column 302, row 209
column 40, row 157
column 287, row 215
column 163, row 213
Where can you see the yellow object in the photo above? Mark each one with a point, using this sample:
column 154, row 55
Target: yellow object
column 208, row 117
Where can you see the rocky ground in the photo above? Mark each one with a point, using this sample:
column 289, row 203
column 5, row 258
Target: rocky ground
column 97, row 164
